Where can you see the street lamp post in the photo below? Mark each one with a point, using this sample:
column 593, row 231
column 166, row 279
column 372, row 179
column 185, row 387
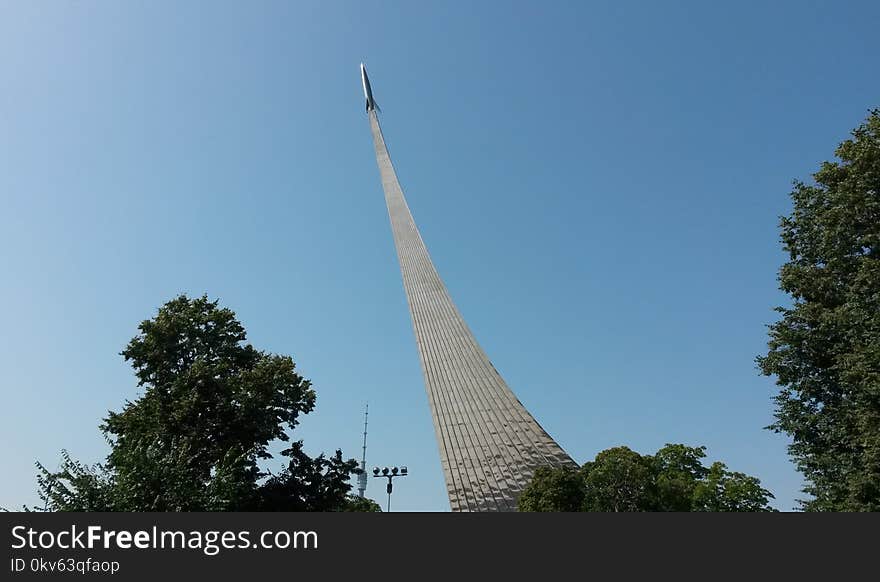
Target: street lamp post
column 390, row 475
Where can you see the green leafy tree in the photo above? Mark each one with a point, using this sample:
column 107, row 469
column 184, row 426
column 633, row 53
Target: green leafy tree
column 620, row 479
column 361, row 504
column 75, row 486
column 825, row 349
column 194, row 440
column 678, row 469
column 723, row 490
column 554, row 490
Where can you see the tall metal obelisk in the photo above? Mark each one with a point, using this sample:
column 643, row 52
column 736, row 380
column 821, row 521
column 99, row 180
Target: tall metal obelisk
column 489, row 444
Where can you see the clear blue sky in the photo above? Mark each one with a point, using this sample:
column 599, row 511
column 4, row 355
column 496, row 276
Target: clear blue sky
column 599, row 184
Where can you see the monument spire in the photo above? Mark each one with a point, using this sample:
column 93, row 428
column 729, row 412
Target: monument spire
column 489, row 444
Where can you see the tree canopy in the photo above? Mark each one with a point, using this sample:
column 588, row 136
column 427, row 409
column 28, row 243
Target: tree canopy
column 620, row 479
column 193, row 441
column 825, row 349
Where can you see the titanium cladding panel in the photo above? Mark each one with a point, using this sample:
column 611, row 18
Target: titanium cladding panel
column 489, row 443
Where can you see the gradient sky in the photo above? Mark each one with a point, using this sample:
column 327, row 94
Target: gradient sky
column 599, row 184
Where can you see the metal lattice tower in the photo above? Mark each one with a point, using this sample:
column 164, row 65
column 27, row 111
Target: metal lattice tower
column 362, row 476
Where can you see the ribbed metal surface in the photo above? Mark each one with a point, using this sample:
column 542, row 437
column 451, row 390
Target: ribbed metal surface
column 489, row 443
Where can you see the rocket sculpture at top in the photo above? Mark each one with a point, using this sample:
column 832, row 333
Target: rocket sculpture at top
column 368, row 91
column 489, row 444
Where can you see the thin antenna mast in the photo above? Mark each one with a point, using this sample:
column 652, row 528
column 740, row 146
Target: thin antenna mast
column 362, row 477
